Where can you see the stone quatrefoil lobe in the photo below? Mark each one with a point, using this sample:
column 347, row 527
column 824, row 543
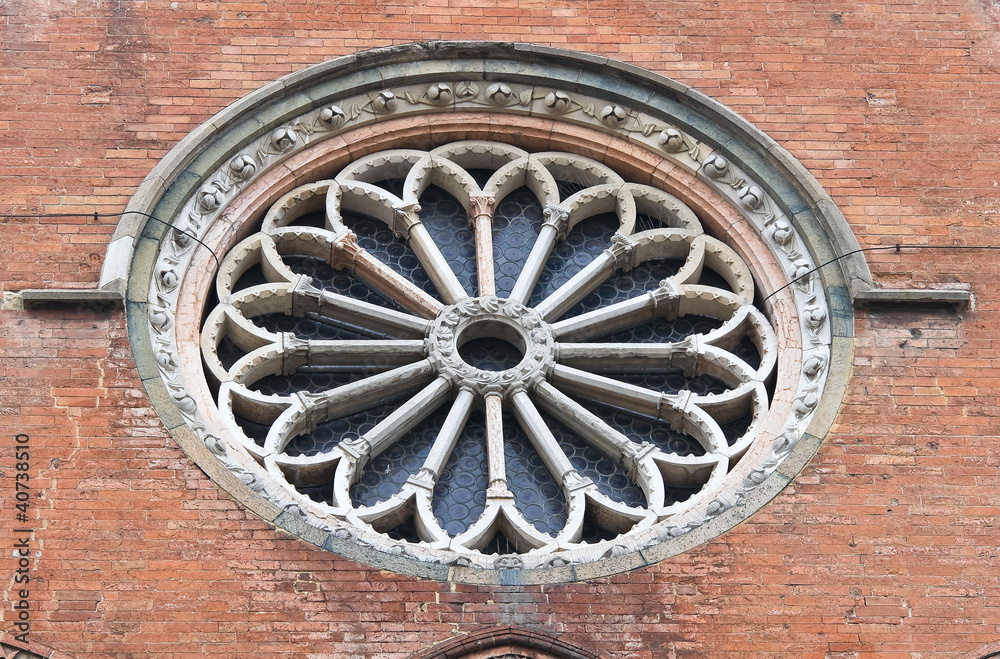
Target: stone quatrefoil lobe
column 489, row 351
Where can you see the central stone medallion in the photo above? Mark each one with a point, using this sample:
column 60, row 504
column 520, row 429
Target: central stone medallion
column 462, row 332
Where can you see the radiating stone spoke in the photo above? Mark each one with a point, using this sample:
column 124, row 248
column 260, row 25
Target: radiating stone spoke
column 589, row 426
column 481, row 216
column 348, row 255
column 367, row 315
column 394, row 286
column 448, row 436
column 652, row 468
column 406, row 416
column 677, row 410
column 622, row 357
column 434, row 263
column 497, row 488
column 662, row 301
column 554, row 227
column 361, row 353
column 692, row 356
column 578, row 287
column 372, row 391
column 369, row 392
column 436, row 266
column 542, row 439
column 292, row 354
column 618, row 256
column 613, row 392
column 606, row 320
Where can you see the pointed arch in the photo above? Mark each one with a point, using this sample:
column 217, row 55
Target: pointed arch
column 506, row 642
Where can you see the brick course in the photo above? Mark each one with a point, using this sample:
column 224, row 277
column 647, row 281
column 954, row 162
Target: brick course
column 885, row 546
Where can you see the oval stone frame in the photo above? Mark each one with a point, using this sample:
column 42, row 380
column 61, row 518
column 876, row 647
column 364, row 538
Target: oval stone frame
column 746, row 188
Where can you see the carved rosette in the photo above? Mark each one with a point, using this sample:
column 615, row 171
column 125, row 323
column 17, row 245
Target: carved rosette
column 484, row 316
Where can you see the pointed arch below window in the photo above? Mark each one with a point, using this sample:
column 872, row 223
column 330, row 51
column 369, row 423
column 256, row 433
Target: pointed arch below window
column 14, row 649
column 506, row 643
column 987, row 651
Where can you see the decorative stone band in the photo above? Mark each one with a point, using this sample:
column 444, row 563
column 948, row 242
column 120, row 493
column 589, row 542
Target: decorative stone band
column 415, row 367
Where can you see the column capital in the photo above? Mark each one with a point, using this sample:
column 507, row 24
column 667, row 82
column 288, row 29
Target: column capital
column 622, row 250
column 480, row 206
column 556, row 217
column 346, row 251
column 404, row 218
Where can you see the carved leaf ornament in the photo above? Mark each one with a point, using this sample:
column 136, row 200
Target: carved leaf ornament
column 484, row 357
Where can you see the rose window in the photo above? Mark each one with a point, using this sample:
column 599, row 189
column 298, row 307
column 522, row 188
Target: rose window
column 489, row 313
column 502, row 355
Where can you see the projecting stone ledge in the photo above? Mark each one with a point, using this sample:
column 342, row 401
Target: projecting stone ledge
column 48, row 298
column 878, row 297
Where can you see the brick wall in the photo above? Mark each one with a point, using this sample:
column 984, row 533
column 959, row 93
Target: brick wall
column 885, row 546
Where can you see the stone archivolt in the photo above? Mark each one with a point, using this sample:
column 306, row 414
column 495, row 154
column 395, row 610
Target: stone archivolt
column 412, row 357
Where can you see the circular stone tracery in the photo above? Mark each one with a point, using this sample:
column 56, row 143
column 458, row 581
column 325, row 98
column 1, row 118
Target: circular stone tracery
column 646, row 416
column 559, row 475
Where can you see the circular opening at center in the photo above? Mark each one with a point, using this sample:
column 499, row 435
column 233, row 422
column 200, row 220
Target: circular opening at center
column 491, row 345
column 490, row 354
